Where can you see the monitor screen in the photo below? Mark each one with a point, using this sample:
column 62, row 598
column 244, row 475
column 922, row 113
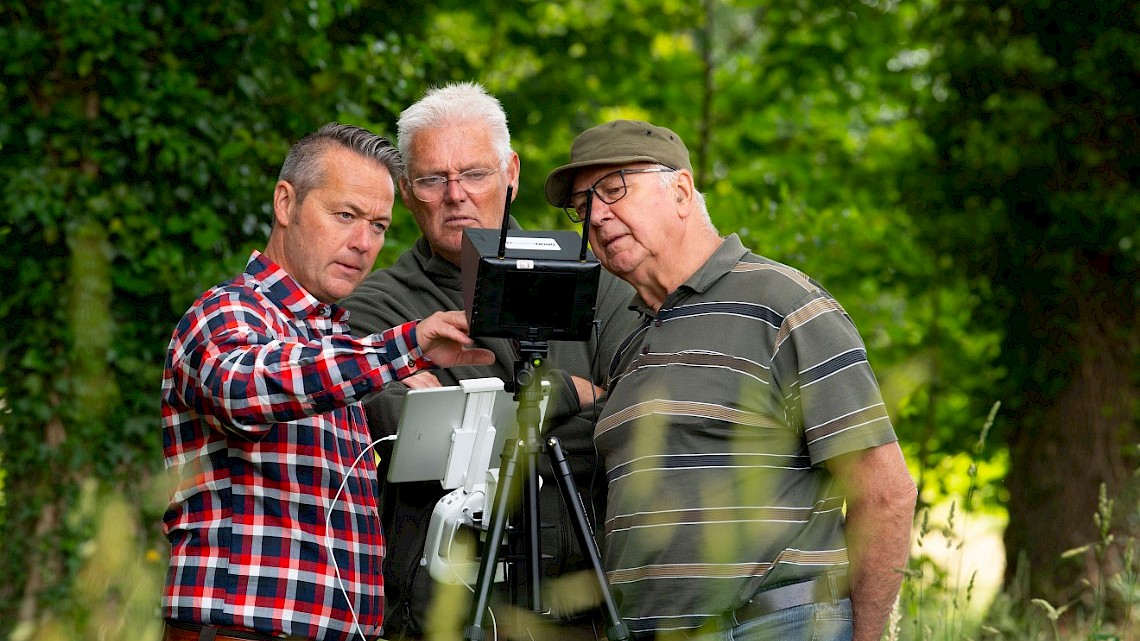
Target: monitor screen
column 538, row 299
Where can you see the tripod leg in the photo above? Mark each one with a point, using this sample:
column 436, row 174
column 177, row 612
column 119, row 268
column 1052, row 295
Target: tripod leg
column 615, row 627
column 495, row 532
column 519, row 464
column 531, row 518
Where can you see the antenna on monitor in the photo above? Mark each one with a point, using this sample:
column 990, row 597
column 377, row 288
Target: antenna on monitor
column 506, row 223
column 586, row 225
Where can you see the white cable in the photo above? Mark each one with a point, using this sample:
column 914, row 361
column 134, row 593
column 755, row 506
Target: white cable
column 328, row 526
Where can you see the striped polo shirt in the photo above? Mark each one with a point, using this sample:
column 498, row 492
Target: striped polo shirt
column 724, row 407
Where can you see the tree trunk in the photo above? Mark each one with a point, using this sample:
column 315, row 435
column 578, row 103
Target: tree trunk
column 93, row 392
column 96, row 390
column 1065, row 449
column 45, row 566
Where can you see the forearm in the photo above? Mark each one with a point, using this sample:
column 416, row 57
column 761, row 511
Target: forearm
column 878, row 544
column 880, row 509
column 563, row 401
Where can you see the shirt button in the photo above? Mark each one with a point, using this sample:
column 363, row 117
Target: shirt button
column 645, row 349
column 324, row 311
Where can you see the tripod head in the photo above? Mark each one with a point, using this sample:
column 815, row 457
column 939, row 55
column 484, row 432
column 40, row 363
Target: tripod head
column 530, row 367
column 530, row 364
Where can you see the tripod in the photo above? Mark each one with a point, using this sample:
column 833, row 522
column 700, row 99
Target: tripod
column 519, row 466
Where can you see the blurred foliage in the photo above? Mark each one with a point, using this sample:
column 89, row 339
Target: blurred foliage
column 139, row 143
column 1029, row 177
column 929, row 161
column 1026, row 185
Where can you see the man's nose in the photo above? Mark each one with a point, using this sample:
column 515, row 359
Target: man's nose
column 600, row 212
column 363, row 237
column 453, row 190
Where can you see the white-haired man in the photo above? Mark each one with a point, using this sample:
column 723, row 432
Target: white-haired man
column 459, row 164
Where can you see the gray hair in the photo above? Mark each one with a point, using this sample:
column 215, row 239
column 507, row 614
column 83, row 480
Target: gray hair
column 303, row 167
column 462, row 102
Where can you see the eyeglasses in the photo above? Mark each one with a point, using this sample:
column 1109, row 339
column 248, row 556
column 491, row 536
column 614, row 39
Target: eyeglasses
column 609, row 189
column 474, row 181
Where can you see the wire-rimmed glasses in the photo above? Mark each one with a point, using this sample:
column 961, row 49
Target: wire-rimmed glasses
column 474, row 181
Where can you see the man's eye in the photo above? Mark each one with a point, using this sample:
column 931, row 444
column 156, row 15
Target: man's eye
column 477, row 175
column 431, row 181
column 379, row 228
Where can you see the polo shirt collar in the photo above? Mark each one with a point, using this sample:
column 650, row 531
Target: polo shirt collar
column 726, row 256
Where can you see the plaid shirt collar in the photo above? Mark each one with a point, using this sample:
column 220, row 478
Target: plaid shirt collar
column 285, row 292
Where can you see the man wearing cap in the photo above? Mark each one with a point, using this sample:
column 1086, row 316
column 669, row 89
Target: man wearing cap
column 743, row 416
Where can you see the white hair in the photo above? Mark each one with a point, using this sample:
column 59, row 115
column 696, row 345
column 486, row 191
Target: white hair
column 461, row 102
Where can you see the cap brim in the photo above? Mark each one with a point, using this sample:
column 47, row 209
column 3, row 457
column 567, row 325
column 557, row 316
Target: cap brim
column 561, row 180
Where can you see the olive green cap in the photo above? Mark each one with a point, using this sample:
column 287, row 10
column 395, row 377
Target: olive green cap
column 618, row 142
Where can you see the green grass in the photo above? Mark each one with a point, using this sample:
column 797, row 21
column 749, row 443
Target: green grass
column 939, row 600
column 951, row 592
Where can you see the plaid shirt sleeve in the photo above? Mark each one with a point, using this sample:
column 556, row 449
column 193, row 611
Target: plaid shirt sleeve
column 234, row 364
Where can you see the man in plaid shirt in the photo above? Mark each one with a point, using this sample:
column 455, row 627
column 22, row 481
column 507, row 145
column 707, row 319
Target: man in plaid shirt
column 273, row 524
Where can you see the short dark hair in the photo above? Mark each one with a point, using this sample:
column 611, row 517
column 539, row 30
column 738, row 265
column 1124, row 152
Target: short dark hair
column 303, row 167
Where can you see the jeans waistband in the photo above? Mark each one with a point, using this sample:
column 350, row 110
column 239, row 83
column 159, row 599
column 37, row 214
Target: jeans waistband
column 828, row 588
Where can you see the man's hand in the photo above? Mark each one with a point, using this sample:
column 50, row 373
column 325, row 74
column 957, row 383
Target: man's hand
column 443, row 338
column 421, row 380
column 587, row 391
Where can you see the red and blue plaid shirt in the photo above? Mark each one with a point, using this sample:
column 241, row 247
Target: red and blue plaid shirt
column 262, row 428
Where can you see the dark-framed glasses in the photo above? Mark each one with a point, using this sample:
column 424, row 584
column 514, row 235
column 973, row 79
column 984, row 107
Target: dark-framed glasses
column 609, row 189
column 474, row 181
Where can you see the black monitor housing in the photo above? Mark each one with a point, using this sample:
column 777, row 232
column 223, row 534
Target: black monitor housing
column 533, row 286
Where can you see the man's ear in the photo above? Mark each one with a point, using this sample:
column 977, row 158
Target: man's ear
column 514, row 169
column 683, row 190
column 284, row 197
column 406, row 194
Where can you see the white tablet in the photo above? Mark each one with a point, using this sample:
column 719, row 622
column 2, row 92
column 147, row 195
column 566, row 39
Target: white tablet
column 427, row 422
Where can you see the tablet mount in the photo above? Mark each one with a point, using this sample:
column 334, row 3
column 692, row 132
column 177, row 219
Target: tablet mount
column 530, row 287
